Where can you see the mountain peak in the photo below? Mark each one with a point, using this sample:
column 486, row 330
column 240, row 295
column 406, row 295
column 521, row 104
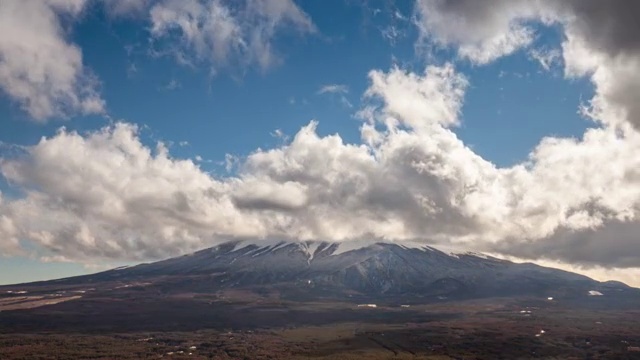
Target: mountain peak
column 370, row 269
column 411, row 272
column 311, row 247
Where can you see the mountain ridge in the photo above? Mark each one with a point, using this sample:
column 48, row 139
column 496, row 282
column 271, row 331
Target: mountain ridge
column 305, row 270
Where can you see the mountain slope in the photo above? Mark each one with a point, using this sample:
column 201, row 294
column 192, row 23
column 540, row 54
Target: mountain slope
column 307, row 270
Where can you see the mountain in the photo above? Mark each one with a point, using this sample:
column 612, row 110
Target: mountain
column 358, row 271
column 279, row 284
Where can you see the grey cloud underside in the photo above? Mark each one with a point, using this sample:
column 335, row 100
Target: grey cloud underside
column 261, row 204
column 608, row 31
column 611, row 25
column 614, row 244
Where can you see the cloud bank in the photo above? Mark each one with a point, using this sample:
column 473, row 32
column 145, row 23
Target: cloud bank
column 410, row 178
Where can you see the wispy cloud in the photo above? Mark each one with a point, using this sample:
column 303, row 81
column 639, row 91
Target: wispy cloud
column 279, row 134
column 222, row 35
column 333, row 89
column 547, row 58
column 392, row 34
column 338, row 90
column 173, row 84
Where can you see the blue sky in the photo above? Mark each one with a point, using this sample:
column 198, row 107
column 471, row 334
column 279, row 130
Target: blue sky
column 203, row 109
column 236, row 112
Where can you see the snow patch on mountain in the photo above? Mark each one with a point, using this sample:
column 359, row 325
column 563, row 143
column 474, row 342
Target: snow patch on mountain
column 260, row 245
column 311, row 248
column 372, row 268
column 477, row 254
column 346, row 246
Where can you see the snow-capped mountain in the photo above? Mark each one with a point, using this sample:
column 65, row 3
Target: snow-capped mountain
column 368, row 269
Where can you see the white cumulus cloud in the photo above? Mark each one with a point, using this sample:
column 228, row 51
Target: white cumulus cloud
column 410, row 178
column 39, row 68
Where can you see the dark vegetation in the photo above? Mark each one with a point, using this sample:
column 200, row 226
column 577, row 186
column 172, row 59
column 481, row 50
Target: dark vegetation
column 244, row 325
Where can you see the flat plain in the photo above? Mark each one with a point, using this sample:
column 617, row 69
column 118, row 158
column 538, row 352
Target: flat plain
column 137, row 323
